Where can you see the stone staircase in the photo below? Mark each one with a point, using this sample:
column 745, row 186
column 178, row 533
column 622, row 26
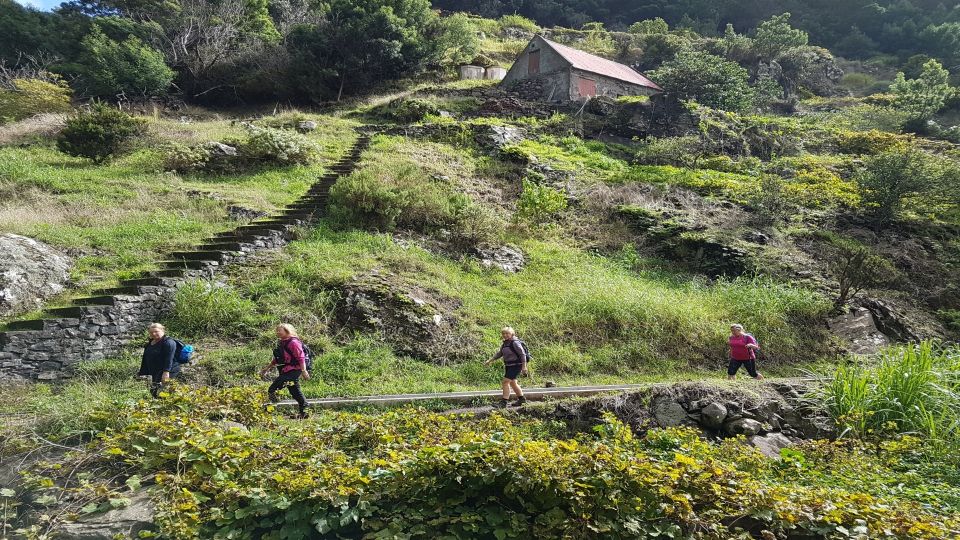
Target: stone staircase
column 102, row 324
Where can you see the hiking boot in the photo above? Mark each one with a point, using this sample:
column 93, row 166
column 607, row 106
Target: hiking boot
column 519, row 402
column 502, row 404
column 273, row 398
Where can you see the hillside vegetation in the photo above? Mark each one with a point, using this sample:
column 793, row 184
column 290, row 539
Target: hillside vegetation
column 620, row 237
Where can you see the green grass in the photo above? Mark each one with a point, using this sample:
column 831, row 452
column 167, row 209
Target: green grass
column 118, row 218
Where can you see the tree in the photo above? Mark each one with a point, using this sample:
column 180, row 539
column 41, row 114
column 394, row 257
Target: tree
column 127, row 67
column 362, row 42
column 924, row 96
column 99, row 133
column 892, row 177
column 650, row 26
column 457, row 37
column 706, row 78
column 775, row 35
column 856, row 267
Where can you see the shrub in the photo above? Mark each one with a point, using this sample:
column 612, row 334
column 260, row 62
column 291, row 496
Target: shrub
column 28, row 97
column 855, row 267
column 540, row 204
column 683, row 151
column 770, row 202
column 706, row 78
column 650, row 26
column 99, row 132
column 185, row 158
column 924, row 96
column 363, row 200
column 892, row 177
column 518, row 22
column 278, row 146
column 870, row 142
column 408, row 110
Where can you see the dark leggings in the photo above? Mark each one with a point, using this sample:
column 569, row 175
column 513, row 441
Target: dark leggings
column 290, row 379
column 751, row 366
column 156, row 380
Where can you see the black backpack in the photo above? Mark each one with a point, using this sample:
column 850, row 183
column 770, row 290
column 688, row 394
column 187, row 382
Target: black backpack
column 526, row 351
column 307, row 354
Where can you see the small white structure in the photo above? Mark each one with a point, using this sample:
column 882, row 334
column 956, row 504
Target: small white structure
column 496, row 73
column 471, row 72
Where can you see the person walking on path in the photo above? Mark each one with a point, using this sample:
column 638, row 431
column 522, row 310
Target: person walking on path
column 291, row 362
column 743, row 353
column 158, row 361
column 515, row 362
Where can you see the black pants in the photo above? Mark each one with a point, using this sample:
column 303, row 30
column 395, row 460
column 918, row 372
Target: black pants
column 156, row 380
column 751, row 366
column 290, row 379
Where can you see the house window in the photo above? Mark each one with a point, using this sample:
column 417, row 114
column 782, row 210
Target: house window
column 534, row 62
column 586, row 87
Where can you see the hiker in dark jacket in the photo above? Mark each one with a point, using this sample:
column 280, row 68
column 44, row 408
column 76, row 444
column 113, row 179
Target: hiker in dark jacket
column 291, row 362
column 158, row 362
column 515, row 363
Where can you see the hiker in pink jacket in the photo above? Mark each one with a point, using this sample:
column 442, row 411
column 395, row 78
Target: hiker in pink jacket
column 291, row 362
column 743, row 352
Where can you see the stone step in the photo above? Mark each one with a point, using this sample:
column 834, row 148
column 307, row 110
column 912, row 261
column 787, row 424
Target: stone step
column 131, row 290
column 224, row 246
column 100, row 300
column 148, row 281
column 31, row 324
column 199, row 255
column 183, row 264
column 70, row 312
column 167, row 273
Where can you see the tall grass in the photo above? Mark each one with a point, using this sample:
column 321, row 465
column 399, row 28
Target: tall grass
column 912, row 389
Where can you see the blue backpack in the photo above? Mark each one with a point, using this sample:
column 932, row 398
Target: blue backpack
column 184, row 352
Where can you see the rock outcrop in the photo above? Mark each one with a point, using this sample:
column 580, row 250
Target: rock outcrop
column 30, row 273
column 124, row 522
column 415, row 321
column 859, row 331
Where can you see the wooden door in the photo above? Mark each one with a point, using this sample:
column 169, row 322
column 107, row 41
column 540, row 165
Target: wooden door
column 586, row 87
column 533, row 65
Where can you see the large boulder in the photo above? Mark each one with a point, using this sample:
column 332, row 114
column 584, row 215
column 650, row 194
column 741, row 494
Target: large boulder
column 668, row 412
column 858, row 329
column 713, row 415
column 124, row 522
column 770, row 444
column 30, row 273
column 415, row 321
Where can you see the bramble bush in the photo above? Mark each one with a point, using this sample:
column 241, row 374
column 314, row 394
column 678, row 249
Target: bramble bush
column 99, row 133
column 417, row 474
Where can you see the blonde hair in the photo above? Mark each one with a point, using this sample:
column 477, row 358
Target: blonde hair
column 508, row 330
column 288, row 328
column 157, row 326
column 737, row 326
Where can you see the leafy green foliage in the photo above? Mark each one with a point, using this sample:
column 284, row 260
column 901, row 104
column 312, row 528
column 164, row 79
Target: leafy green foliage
column 129, row 67
column 539, row 203
column 891, row 178
column 518, row 22
column 913, row 389
column 775, row 35
column 99, row 133
column 924, row 96
column 204, row 308
column 421, row 474
column 856, row 267
column 650, row 26
column 27, row 97
column 706, row 78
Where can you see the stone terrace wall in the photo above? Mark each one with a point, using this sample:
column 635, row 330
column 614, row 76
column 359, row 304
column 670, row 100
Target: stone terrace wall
column 102, row 325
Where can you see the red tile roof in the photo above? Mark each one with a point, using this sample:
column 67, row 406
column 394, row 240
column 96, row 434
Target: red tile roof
column 600, row 66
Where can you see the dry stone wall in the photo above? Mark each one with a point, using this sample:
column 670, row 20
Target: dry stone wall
column 102, row 325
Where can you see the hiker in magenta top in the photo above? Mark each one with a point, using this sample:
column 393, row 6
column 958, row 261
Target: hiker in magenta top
column 291, row 362
column 743, row 353
column 515, row 362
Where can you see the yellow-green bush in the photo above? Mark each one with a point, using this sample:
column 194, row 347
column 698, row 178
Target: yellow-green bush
column 33, row 96
column 871, row 142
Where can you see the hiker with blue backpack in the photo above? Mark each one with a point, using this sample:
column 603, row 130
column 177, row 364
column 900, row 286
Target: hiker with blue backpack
column 743, row 353
column 515, row 356
column 163, row 357
column 292, row 358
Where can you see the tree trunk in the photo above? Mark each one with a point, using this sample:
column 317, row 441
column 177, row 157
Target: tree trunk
column 343, row 77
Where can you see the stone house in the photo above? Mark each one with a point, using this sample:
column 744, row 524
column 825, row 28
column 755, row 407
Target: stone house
column 557, row 72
